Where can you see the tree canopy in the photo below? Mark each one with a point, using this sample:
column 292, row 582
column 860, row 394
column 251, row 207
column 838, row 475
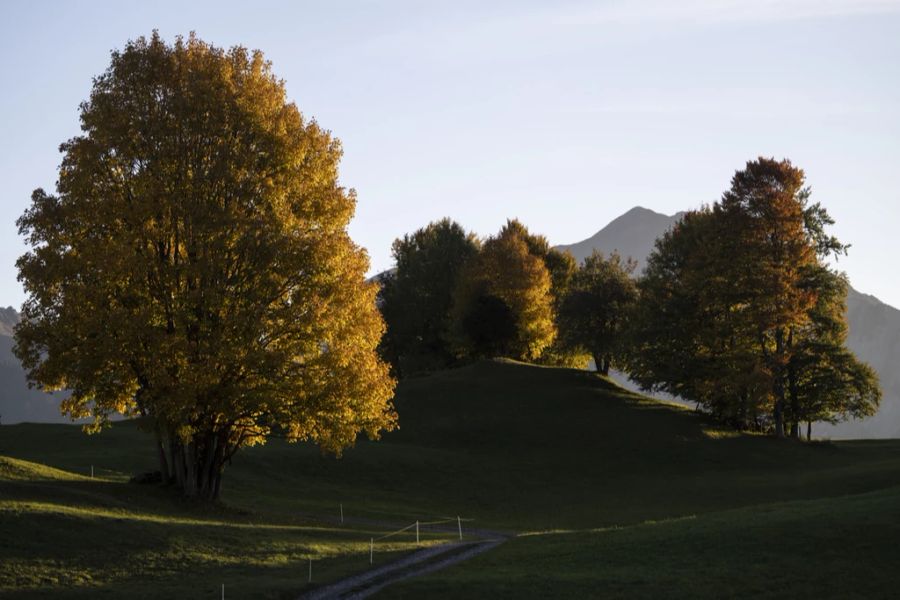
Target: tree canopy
column 561, row 266
column 194, row 266
column 416, row 298
column 593, row 315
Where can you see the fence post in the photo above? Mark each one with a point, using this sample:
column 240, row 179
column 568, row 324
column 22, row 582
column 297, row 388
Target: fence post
column 417, row 533
column 371, row 550
column 342, row 513
column 459, row 524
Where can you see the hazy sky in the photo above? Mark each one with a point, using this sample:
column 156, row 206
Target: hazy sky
column 563, row 114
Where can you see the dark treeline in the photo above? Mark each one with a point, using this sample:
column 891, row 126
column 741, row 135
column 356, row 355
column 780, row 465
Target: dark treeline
column 738, row 309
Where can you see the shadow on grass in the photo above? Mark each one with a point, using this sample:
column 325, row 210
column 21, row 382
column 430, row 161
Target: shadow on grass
column 72, row 540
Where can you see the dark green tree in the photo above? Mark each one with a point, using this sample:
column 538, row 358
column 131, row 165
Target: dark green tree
column 490, row 327
column 825, row 381
column 416, row 298
column 593, row 315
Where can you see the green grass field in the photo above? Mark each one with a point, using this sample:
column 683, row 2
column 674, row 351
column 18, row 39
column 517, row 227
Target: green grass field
column 610, row 494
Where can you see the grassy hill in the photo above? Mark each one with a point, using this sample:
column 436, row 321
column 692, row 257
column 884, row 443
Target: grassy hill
column 611, row 494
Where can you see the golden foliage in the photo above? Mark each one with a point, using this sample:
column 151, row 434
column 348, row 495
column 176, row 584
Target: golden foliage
column 194, row 265
column 507, row 270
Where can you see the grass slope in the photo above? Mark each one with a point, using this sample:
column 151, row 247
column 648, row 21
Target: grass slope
column 69, row 536
column 844, row 547
column 515, row 447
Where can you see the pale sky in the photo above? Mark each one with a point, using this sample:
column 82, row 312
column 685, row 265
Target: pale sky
column 563, row 114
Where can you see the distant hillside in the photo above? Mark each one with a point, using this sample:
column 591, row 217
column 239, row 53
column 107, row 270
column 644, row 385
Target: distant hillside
column 17, row 402
column 874, row 326
column 8, row 319
column 875, row 338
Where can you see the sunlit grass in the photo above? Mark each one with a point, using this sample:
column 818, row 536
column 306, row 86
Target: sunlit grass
column 651, row 523
column 83, row 536
column 721, row 434
column 13, row 469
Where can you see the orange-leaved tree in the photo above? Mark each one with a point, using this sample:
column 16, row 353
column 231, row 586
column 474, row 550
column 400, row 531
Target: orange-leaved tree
column 194, row 266
column 503, row 303
column 561, row 266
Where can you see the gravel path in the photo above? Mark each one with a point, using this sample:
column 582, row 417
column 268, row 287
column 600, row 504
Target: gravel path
column 416, row 564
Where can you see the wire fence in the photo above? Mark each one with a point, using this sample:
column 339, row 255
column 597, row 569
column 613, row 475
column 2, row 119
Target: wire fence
column 442, row 521
column 417, row 525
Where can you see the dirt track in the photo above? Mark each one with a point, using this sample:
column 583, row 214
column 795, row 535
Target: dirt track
column 421, row 562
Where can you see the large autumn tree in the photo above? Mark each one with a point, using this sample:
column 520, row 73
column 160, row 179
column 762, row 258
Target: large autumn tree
column 194, row 266
column 417, row 296
column 741, row 313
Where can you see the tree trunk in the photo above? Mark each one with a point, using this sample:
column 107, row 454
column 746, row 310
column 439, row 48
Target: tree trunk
column 204, row 474
column 793, row 392
column 601, row 362
column 778, row 384
column 163, row 461
column 195, row 467
column 177, row 454
column 779, row 418
column 198, row 466
column 218, row 464
column 809, row 431
column 191, row 472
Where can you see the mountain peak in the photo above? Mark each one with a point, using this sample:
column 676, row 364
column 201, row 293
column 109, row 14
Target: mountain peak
column 636, row 216
column 631, row 235
column 639, row 211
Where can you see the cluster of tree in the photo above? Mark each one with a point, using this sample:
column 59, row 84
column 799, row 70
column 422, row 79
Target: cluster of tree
column 737, row 310
column 454, row 298
column 194, row 267
column 740, row 312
